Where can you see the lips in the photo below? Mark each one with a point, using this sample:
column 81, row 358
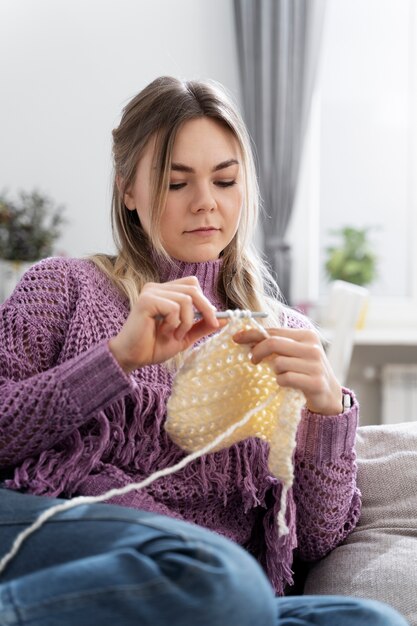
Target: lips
column 203, row 229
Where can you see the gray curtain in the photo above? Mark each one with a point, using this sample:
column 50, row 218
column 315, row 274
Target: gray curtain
column 278, row 43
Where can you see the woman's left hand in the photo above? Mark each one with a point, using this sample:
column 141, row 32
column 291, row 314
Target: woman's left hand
column 299, row 361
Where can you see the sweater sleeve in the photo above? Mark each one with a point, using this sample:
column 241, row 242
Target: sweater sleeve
column 41, row 402
column 328, row 501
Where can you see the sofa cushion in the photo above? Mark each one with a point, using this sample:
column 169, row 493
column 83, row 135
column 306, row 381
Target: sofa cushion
column 379, row 559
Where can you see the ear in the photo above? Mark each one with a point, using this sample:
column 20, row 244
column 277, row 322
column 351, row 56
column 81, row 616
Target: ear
column 129, row 201
column 127, row 197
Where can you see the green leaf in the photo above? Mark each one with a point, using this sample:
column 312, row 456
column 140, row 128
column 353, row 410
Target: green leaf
column 29, row 226
column 353, row 260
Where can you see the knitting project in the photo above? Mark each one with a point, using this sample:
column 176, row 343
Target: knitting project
column 219, row 398
column 220, row 395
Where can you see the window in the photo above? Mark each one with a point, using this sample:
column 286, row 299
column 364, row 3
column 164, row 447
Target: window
column 360, row 163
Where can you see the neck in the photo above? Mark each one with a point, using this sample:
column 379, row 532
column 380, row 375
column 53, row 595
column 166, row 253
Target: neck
column 207, row 273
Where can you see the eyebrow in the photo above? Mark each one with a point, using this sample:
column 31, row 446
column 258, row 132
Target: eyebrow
column 180, row 167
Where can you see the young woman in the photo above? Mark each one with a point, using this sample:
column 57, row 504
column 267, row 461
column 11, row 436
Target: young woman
column 84, row 386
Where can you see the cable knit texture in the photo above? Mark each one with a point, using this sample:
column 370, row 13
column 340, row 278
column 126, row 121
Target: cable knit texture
column 72, row 423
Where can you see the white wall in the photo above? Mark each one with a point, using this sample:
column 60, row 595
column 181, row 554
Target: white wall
column 68, row 67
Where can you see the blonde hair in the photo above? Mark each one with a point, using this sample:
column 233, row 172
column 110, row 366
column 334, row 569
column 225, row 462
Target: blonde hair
column 158, row 112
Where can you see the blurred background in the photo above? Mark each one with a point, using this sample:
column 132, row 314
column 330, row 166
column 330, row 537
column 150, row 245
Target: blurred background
column 329, row 92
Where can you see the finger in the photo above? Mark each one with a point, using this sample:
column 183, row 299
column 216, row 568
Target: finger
column 186, row 315
column 189, row 301
column 201, row 329
column 186, row 304
column 185, row 280
column 171, row 309
column 298, row 334
column 191, row 289
column 305, row 335
column 282, row 364
column 182, row 317
column 168, row 309
column 296, row 380
column 251, row 336
column 287, row 348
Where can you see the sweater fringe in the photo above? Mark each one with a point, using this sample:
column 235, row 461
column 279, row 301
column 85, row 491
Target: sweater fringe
column 139, row 445
column 279, row 548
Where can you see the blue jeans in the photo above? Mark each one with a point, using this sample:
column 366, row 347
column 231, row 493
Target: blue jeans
column 113, row 566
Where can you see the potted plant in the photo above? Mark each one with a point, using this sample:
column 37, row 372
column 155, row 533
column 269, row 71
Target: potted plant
column 354, row 260
column 29, row 227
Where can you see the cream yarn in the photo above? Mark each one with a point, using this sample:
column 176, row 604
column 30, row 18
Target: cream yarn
column 219, row 398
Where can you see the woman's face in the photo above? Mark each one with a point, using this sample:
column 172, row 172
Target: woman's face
column 205, row 196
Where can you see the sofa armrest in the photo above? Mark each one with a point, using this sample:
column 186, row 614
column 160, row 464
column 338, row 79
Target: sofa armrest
column 378, row 559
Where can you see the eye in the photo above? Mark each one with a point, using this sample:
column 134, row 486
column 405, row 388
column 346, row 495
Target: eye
column 176, row 186
column 225, row 183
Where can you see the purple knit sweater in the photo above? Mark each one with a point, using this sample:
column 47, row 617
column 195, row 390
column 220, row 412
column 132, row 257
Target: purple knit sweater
column 72, row 422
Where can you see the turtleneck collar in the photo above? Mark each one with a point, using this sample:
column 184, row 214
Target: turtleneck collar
column 207, row 273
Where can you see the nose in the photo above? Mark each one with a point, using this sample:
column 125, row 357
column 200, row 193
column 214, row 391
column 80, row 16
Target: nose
column 203, row 200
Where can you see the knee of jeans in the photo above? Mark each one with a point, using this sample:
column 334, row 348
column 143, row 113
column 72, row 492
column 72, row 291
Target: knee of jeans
column 224, row 580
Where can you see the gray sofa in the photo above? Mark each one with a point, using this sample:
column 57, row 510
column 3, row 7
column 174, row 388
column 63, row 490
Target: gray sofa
column 379, row 559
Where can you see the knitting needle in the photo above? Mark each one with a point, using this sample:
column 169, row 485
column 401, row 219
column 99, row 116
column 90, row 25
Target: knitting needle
column 225, row 315
column 222, row 315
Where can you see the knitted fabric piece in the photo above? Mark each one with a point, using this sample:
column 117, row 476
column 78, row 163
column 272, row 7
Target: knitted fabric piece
column 218, row 386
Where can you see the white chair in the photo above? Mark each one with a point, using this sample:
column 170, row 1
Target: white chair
column 346, row 301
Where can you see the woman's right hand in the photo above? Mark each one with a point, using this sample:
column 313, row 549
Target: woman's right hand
column 161, row 323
